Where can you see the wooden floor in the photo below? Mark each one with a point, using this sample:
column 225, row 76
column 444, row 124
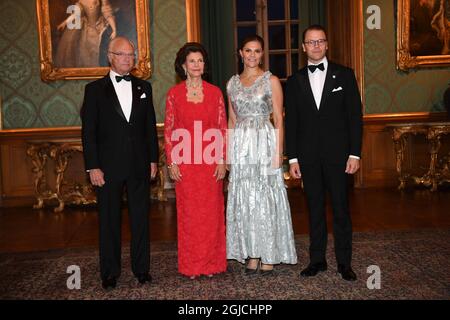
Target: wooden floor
column 25, row 229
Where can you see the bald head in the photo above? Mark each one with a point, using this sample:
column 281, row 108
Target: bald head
column 121, row 55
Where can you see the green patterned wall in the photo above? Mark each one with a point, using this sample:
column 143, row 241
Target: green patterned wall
column 27, row 102
column 388, row 90
column 168, row 31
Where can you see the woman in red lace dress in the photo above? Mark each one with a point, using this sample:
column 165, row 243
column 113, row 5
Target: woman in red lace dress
column 195, row 131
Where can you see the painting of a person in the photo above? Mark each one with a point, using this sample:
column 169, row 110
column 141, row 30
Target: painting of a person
column 79, row 46
column 430, row 28
column 441, row 23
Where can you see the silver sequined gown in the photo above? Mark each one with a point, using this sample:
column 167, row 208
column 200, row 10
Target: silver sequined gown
column 258, row 214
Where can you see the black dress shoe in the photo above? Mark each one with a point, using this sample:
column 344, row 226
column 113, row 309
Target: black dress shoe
column 143, row 278
column 109, row 283
column 346, row 272
column 313, row 269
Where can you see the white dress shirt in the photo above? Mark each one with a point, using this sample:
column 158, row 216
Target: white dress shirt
column 317, row 82
column 124, row 93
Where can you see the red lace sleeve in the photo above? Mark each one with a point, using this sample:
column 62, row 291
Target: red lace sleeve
column 222, row 125
column 169, row 124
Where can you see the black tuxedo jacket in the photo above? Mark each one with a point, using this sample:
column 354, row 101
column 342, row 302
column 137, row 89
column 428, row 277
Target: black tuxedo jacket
column 332, row 133
column 119, row 148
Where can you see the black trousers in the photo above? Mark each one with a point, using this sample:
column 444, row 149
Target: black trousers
column 317, row 180
column 110, row 217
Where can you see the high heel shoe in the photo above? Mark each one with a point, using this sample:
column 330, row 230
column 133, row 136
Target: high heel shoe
column 265, row 272
column 250, row 271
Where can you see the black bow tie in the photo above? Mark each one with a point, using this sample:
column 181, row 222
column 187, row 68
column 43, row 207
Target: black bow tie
column 125, row 77
column 313, row 67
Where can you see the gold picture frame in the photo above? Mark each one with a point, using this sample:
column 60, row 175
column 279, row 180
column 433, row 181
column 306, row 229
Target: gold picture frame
column 423, row 34
column 58, row 41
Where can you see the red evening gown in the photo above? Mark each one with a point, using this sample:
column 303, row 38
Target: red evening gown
column 199, row 197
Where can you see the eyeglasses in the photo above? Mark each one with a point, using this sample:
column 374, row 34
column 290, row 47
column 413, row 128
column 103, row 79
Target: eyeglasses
column 123, row 54
column 313, row 43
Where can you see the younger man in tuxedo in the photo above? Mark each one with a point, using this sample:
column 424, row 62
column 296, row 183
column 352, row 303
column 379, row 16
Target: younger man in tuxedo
column 323, row 144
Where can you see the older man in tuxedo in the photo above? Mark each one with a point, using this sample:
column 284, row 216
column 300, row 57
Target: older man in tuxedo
column 120, row 147
column 323, row 144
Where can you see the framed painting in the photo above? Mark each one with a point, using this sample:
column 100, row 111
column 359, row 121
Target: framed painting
column 74, row 36
column 423, row 33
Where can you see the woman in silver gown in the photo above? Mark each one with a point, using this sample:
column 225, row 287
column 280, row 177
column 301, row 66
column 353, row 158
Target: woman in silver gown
column 259, row 226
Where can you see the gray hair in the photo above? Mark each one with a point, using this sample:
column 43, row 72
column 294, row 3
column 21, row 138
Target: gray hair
column 113, row 41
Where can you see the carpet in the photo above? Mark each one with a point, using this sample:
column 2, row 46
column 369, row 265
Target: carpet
column 413, row 265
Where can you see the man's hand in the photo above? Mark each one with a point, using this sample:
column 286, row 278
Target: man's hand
column 220, row 172
column 97, row 177
column 294, row 170
column 352, row 165
column 153, row 169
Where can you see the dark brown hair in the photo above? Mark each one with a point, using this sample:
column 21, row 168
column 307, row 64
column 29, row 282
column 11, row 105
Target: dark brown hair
column 251, row 38
column 184, row 51
column 316, row 27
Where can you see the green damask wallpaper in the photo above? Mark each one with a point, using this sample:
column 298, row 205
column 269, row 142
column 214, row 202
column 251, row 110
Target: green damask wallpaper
column 168, row 31
column 388, row 90
column 27, row 102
